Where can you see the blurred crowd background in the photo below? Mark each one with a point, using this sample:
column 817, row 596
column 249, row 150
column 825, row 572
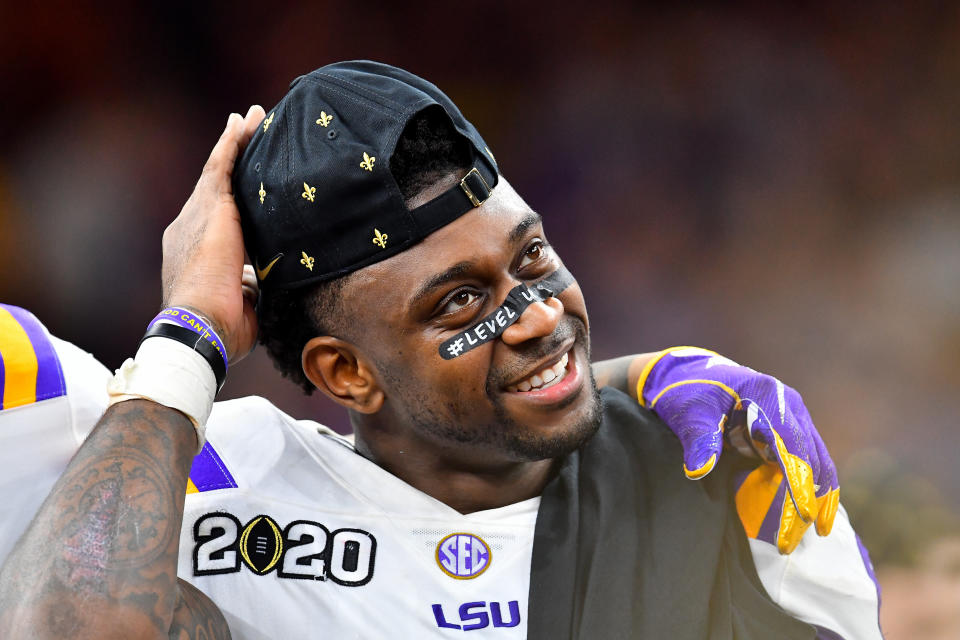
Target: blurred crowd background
column 779, row 183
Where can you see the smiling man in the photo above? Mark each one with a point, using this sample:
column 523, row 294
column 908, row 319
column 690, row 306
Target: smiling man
column 468, row 412
column 489, row 488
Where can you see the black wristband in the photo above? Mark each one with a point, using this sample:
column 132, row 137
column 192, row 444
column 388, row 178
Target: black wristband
column 196, row 342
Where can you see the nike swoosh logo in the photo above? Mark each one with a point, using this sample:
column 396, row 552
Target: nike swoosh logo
column 262, row 273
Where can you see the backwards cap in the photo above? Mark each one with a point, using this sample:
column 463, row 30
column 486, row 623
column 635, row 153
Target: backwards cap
column 316, row 196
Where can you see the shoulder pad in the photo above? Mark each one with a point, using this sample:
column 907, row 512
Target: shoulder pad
column 30, row 370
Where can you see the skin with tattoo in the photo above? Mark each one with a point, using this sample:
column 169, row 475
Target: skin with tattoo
column 100, row 559
column 197, row 617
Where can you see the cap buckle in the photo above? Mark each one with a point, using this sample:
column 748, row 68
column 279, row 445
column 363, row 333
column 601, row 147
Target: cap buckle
column 472, row 183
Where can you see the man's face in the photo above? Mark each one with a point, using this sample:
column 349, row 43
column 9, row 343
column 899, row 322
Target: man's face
column 484, row 405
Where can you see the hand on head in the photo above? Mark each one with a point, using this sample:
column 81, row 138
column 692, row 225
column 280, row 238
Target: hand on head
column 203, row 254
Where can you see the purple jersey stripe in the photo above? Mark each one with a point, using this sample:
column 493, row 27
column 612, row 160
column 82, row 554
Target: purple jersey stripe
column 771, row 523
column 873, row 576
column 2, row 381
column 208, row 471
column 825, row 634
column 50, row 383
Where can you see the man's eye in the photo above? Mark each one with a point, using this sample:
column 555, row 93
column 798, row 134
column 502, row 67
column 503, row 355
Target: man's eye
column 458, row 301
column 533, row 253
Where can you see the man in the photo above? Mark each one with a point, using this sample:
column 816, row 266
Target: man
column 488, row 489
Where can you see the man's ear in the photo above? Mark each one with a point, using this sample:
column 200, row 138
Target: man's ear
column 336, row 368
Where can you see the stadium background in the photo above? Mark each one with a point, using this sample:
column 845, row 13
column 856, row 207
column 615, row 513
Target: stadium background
column 780, row 184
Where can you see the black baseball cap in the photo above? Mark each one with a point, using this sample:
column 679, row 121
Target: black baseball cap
column 316, row 196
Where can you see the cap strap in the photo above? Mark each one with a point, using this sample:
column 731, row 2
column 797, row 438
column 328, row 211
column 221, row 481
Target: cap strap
column 470, row 192
column 475, row 187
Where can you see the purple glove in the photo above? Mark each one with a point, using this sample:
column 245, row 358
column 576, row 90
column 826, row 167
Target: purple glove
column 700, row 394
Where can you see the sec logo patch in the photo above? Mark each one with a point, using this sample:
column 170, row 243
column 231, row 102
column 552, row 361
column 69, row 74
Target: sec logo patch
column 463, row 556
column 261, row 544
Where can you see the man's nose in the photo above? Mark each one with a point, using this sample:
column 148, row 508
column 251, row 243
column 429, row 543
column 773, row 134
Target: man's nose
column 538, row 320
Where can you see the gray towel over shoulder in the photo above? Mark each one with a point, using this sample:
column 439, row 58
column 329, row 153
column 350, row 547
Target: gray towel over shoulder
column 627, row 547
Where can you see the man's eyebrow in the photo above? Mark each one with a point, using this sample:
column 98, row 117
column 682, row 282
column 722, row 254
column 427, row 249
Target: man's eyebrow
column 528, row 221
column 461, row 268
column 440, row 279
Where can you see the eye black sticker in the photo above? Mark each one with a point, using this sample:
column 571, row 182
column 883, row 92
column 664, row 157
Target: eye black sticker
column 496, row 322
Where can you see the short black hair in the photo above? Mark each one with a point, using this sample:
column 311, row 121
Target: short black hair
column 428, row 150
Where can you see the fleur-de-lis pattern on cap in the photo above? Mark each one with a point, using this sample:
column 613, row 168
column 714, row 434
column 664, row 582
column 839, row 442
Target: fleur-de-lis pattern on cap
column 368, row 161
column 338, row 127
column 306, row 260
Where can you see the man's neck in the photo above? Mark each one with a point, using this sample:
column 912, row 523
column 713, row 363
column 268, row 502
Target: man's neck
column 465, row 485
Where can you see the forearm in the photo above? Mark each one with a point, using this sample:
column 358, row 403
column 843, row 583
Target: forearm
column 621, row 373
column 100, row 558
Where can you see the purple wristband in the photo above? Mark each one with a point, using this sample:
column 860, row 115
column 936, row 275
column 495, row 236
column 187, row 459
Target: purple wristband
column 189, row 320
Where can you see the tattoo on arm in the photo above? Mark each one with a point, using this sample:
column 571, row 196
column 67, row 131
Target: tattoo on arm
column 100, row 558
column 196, row 617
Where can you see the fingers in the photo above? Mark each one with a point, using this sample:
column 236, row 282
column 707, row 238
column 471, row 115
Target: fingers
column 808, row 492
column 792, row 528
column 799, row 477
column 700, row 452
column 220, row 162
column 696, row 411
column 825, row 473
column 796, row 470
column 828, row 504
column 249, row 276
column 255, row 115
column 249, row 285
column 695, row 472
column 232, row 141
column 829, row 500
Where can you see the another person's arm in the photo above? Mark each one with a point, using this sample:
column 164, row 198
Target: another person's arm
column 621, row 373
column 708, row 400
column 827, row 582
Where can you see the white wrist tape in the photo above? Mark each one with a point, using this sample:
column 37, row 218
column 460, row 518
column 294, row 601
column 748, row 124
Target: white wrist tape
column 168, row 373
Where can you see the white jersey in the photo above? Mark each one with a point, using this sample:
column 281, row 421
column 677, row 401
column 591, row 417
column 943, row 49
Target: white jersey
column 315, row 537
column 295, row 535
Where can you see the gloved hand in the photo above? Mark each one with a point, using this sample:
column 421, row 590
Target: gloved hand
column 702, row 395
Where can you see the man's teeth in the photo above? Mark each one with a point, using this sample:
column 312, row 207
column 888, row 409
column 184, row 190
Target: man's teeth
column 546, row 378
